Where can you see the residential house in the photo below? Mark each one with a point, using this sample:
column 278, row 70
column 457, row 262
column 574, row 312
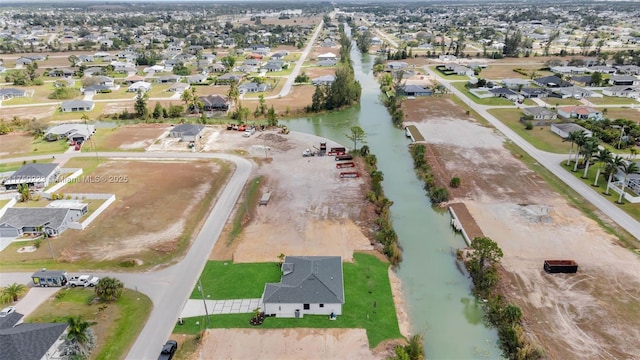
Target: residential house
column 540, row 113
column 194, row 49
column 95, row 70
column 60, row 73
column 139, row 86
column 10, row 93
column 534, row 92
column 323, row 80
column 30, row 341
column 166, row 79
column 23, row 61
column 279, row 55
column 505, row 93
column 252, row 87
column 95, row 89
column 628, row 69
column 515, row 83
column 330, row 62
column 215, row 103
column 217, row 68
column 79, row 132
column 580, row 112
column 228, row 78
column 103, row 80
column 77, row 105
column 310, row 285
column 603, row 69
column 563, row 130
column 197, row 79
column 415, row 90
column 271, row 67
column 622, row 91
column 133, row 79
column 179, row 87
column 37, row 176
column 552, row 81
column 460, row 69
column 566, row 70
column 583, row 80
column 618, row 80
column 327, row 56
column 574, row 92
column 397, row 65
column 85, row 58
column 18, row 221
column 186, row 132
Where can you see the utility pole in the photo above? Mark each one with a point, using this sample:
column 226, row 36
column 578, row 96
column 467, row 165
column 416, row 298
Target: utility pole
column 204, row 301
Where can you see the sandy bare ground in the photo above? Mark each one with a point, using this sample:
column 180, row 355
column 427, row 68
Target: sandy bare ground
column 593, row 313
column 312, row 212
column 261, row 344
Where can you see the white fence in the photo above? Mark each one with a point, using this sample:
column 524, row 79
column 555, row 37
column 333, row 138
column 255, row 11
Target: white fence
column 74, row 174
column 11, row 202
column 110, row 198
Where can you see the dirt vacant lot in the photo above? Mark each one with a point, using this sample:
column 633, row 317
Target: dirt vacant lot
column 153, row 217
column 129, row 137
column 312, row 210
column 590, row 313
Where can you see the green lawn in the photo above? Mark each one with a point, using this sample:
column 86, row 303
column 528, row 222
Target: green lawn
column 561, row 102
column 612, row 100
column 76, row 115
column 491, row 101
column 118, row 325
column 17, row 165
column 632, row 209
column 226, row 280
column 540, row 136
column 368, row 304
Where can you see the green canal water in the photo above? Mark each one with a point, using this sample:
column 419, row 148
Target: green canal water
column 437, row 291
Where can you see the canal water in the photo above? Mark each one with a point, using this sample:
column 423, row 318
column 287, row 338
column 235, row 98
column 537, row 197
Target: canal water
column 438, row 294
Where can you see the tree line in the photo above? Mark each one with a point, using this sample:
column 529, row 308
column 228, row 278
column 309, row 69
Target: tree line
column 345, row 90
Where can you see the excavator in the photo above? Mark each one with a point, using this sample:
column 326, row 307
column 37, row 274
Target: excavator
column 284, row 130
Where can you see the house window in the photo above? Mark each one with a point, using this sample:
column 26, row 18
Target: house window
column 321, row 305
column 306, row 306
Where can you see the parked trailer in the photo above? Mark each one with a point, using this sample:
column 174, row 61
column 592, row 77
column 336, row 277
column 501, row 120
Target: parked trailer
column 46, row 278
column 264, row 200
column 560, row 266
column 344, row 157
column 345, row 165
column 349, row 174
column 335, row 153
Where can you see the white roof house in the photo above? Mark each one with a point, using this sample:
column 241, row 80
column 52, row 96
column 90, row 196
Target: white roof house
column 327, row 56
column 140, row 85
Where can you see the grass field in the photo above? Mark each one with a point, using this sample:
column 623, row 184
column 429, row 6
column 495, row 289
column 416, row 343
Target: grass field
column 540, row 136
column 77, row 115
column 223, row 280
column 448, row 77
column 117, row 325
column 369, row 305
column 17, row 165
column 124, row 138
column 612, row 100
column 491, row 101
column 561, row 102
column 622, row 113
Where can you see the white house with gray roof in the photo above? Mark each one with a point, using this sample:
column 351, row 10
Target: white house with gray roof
column 310, row 285
column 54, row 221
column 28, row 341
column 34, row 175
column 77, row 105
column 72, row 132
column 186, row 132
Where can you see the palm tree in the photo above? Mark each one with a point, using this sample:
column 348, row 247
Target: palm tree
column 233, row 92
column 573, row 137
column 588, row 149
column 25, row 192
column 611, row 167
column 627, row 168
column 13, row 292
column 80, row 337
column 109, row 289
column 580, row 141
column 604, row 156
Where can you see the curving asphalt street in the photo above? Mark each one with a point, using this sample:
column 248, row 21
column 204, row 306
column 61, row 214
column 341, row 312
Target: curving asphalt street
column 169, row 288
column 551, row 162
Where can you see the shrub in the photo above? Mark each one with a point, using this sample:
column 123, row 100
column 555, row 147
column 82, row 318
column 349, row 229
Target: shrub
column 455, row 182
column 37, row 243
column 528, row 125
column 439, row 194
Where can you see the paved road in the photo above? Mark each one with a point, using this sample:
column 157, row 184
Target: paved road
column 169, row 288
column 550, row 161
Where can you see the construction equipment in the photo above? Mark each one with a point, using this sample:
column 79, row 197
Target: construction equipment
column 308, row 153
column 285, row 130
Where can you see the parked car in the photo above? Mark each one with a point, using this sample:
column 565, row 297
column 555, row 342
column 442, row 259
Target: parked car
column 249, row 131
column 83, row 280
column 6, row 311
column 168, row 350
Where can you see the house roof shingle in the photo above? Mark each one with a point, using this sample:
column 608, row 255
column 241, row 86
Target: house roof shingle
column 308, row 279
column 34, row 217
column 29, row 341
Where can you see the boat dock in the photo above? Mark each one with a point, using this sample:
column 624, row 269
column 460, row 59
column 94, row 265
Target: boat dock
column 462, row 221
column 412, row 132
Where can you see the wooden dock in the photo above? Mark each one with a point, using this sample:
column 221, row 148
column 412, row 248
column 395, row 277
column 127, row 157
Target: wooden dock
column 462, row 221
